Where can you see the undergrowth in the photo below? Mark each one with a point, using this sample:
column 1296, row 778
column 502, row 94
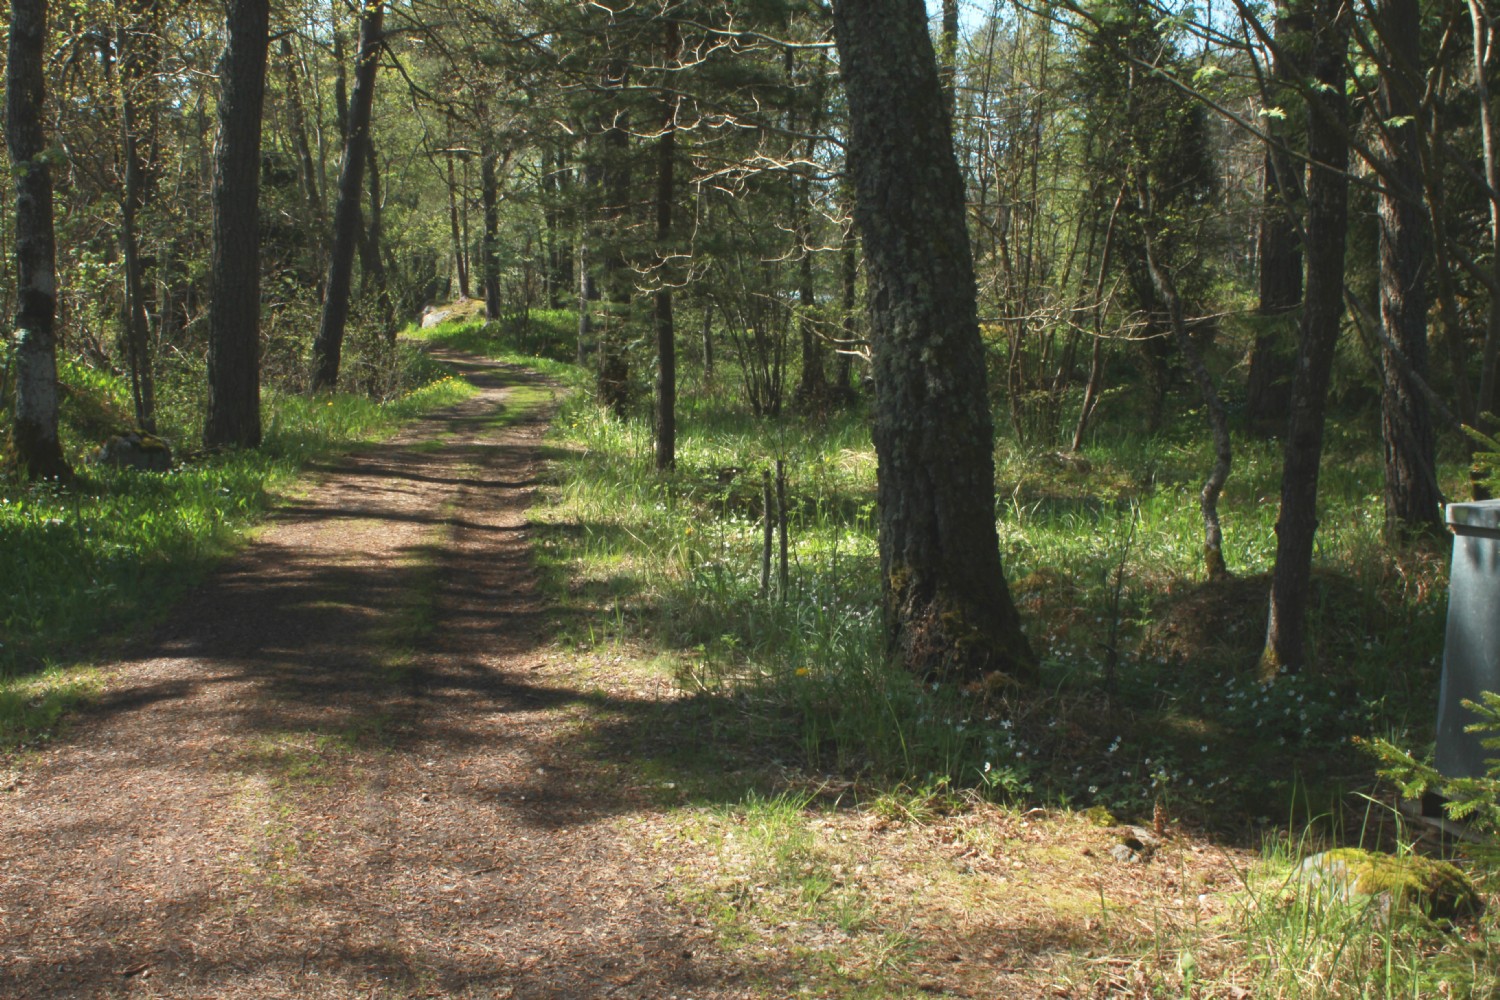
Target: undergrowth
column 1147, row 689
column 1149, row 705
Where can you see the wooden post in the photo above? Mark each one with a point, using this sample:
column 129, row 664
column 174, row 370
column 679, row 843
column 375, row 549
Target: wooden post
column 770, row 521
column 781, row 525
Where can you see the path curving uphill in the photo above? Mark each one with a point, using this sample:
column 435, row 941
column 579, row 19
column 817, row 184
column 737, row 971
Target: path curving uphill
column 346, row 767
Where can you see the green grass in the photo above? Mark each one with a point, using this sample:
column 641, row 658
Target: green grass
column 1149, row 692
column 1301, row 944
column 673, row 562
column 33, row 707
column 113, row 549
column 544, row 339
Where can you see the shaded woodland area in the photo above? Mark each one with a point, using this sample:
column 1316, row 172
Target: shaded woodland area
column 1189, row 316
column 1146, row 189
column 1249, row 214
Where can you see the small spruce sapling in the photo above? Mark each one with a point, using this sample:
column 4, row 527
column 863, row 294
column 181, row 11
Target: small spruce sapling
column 1474, row 800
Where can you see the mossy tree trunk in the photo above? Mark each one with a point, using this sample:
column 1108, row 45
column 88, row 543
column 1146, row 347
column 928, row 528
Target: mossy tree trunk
column 234, row 279
column 948, row 611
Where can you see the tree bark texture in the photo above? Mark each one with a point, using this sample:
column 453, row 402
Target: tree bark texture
column 1218, row 419
column 136, row 44
column 310, row 187
column 665, row 416
column 328, row 346
column 1412, row 499
column 948, row 65
column 843, row 387
column 460, row 259
column 612, row 378
column 234, row 299
column 1322, row 310
column 812, row 385
column 489, row 182
column 948, row 612
column 35, row 416
column 373, row 265
column 1267, row 385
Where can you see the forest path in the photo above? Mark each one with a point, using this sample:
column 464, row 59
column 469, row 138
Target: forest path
column 350, row 766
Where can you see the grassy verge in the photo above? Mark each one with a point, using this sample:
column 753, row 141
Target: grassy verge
column 115, row 548
column 882, row 838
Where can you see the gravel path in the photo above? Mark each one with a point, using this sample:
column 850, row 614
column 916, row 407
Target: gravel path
column 348, row 767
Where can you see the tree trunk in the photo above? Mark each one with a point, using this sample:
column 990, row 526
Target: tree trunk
column 707, row 332
column 460, row 265
column 374, row 266
column 1267, row 385
column 812, row 385
column 666, row 336
column 329, row 344
column 1218, row 419
column 948, row 62
column 135, row 44
column 489, row 181
column 1412, row 500
column 1327, row 225
column 35, row 417
column 613, row 375
column 234, row 280
column 310, row 188
column 843, row 381
column 948, row 612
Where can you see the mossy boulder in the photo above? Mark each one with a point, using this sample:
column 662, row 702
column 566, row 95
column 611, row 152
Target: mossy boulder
column 1351, row 875
column 135, row 450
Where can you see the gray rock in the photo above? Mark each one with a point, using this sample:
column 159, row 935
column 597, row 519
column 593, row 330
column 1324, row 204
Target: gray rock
column 134, row 450
column 1383, row 882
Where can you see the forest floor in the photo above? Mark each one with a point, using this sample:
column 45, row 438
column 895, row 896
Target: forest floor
column 357, row 762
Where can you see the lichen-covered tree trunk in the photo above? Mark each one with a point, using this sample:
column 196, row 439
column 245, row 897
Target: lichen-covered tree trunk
column 233, row 418
column 35, row 416
column 948, row 612
column 1412, row 498
column 1323, row 306
column 329, row 343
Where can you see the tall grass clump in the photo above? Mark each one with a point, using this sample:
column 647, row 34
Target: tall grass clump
column 115, row 546
column 1300, row 941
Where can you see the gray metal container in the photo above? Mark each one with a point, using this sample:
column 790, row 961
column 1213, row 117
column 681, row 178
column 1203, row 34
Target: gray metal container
column 1471, row 650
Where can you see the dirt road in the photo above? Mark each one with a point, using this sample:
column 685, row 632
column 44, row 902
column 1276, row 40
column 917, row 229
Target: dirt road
column 347, row 767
